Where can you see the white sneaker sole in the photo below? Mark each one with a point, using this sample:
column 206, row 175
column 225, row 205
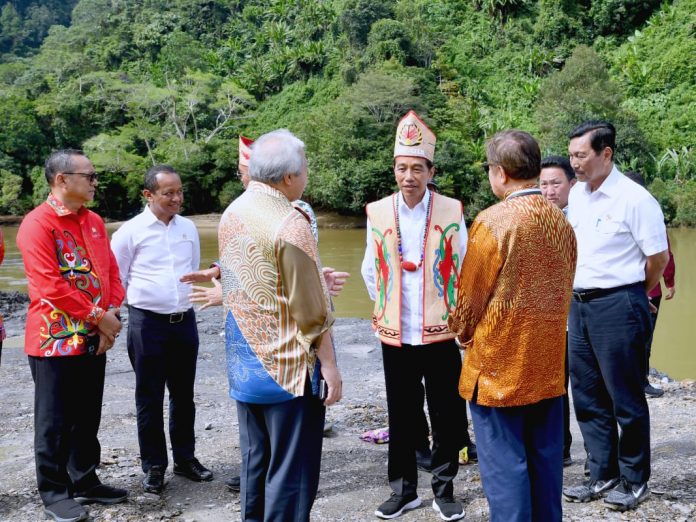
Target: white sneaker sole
column 456, row 516
column 411, row 505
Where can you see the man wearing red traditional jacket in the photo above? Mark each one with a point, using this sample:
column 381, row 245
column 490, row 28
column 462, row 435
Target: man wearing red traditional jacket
column 75, row 294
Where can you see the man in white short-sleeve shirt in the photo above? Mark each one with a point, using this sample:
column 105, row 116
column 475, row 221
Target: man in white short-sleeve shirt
column 154, row 250
column 622, row 252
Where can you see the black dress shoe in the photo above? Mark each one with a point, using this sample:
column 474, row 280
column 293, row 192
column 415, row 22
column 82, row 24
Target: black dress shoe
column 66, row 510
column 102, row 494
column 194, row 470
column 234, row 484
column 154, row 480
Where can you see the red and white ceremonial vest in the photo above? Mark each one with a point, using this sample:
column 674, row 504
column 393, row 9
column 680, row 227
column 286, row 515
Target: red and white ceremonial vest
column 441, row 265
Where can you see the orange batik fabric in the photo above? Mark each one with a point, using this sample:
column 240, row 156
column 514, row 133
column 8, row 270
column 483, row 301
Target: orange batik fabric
column 513, row 301
column 440, row 268
column 264, row 244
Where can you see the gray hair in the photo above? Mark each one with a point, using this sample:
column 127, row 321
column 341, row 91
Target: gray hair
column 276, row 154
column 59, row 161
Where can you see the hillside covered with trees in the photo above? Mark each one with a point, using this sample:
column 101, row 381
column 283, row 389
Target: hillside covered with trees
column 139, row 82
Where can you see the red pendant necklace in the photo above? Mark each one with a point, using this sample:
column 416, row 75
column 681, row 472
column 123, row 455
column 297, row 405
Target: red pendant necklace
column 410, row 266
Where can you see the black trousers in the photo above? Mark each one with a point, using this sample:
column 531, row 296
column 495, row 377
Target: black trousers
column 567, row 436
column 439, row 364
column 606, row 340
column 281, row 458
column 68, row 395
column 163, row 354
column 648, row 345
column 424, row 428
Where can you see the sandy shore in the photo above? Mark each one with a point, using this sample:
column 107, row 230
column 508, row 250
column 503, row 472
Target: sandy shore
column 353, row 481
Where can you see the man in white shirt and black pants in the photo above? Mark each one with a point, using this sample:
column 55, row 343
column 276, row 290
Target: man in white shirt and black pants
column 622, row 252
column 416, row 240
column 153, row 250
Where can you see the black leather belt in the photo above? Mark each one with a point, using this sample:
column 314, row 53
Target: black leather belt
column 583, row 295
column 170, row 318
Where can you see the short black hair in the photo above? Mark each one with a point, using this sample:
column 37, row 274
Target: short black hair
column 150, row 182
column 516, row 151
column 635, row 176
column 428, row 163
column 603, row 134
column 59, row 161
column 560, row 162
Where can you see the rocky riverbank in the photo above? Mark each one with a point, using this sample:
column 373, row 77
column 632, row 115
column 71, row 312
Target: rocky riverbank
column 353, row 481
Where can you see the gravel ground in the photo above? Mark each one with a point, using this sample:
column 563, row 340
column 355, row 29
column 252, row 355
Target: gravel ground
column 353, row 481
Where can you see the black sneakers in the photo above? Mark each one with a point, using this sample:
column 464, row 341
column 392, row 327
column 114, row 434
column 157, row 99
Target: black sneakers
column 66, row 510
column 590, row 490
column 396, row 504
column 102, row 494
column 448, row 508
column 154, row 480
column 193, row 470
column 627, row 496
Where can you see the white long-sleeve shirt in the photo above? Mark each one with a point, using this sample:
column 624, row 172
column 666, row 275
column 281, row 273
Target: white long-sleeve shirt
column 412, row 224
column 152, row 256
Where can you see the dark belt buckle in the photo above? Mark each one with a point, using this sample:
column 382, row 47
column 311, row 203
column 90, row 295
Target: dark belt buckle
column 176, row 318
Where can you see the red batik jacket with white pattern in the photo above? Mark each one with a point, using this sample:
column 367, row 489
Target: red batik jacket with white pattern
column 72, row 278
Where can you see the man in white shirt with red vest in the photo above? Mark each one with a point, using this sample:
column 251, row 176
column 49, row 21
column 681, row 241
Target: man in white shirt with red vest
column 416, row 240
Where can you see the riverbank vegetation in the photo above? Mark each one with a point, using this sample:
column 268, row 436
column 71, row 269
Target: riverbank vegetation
column 175, row 81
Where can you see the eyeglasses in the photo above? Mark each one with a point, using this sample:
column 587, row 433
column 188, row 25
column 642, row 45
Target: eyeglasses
column 91, row 176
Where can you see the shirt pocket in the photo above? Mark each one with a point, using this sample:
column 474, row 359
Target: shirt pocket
column 182, row 249
column 610, row 227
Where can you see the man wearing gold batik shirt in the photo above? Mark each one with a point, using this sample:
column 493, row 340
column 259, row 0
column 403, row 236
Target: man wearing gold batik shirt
column 512, row 306
column 416, row 240
column 277, row 331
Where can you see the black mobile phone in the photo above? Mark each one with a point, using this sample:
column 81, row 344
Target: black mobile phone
column 92, row 344
column 323, row 390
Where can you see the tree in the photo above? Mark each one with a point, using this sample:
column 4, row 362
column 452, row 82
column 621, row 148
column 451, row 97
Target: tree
column 359, row 15
column 388, row 40
column 10, row 192
column 584, row 91
column 620, row 16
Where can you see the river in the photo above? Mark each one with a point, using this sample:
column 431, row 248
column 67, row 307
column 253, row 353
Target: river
column 674, row 349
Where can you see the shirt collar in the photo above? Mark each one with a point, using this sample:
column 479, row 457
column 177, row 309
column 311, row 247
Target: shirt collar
column 257, row 186
column 609, row 186
column 58, row 207
column 150, row 218
column 421, row 205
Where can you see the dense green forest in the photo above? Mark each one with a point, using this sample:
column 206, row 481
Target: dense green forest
column 138, row 82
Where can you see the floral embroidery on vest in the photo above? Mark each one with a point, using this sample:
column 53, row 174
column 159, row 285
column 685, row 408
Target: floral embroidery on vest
column 385, row 273
column 446, row 268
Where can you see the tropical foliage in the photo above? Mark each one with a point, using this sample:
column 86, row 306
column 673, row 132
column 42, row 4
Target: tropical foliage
column 176, row 81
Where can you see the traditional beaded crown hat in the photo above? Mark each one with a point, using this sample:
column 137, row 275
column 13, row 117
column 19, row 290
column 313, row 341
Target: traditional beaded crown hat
column 414, row 138
column 244, row 154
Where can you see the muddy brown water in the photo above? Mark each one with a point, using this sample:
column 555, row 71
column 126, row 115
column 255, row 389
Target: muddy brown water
column 674, row 348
